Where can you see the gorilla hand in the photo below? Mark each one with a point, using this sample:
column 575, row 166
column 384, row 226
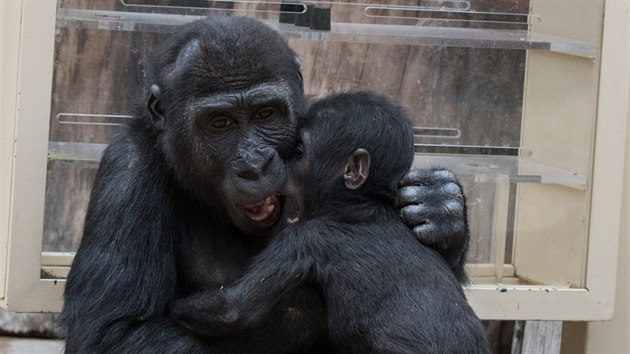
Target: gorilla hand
column 206, row 313
column 433, row 205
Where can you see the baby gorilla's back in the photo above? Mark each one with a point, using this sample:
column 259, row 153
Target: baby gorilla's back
column 384, row 291
column 387, row 294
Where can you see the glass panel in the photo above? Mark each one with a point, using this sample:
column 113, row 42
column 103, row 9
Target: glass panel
column 97, row 75
column 458, row 66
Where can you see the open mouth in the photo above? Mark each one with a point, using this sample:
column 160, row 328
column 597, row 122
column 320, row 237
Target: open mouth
column 263, row 211
column 293, row 211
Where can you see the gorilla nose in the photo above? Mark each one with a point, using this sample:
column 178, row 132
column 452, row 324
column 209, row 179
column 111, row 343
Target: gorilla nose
column 252, row 165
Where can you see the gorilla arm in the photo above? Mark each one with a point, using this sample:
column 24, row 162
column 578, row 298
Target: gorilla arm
column 123, row 280
column 123, row 277
column 279, row 271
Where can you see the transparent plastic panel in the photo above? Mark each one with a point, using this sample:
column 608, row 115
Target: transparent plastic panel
column 479, row 24
column 459, row 67
column 97, row 76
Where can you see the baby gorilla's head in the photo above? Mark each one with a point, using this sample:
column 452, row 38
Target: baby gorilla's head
column 355, row 148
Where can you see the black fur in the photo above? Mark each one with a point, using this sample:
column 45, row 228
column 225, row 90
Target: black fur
column 165, row 219
column 158, row 225
column 384, row 293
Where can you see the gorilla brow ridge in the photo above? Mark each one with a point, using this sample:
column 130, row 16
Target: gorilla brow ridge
column 278, row 88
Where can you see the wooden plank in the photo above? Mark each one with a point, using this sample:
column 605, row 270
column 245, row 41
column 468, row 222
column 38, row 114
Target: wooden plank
column 542, row 337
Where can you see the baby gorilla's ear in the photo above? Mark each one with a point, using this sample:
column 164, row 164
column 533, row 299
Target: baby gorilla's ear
column 357, row 169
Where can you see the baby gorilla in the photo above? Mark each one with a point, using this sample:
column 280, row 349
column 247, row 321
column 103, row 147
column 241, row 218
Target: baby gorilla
column 384, row 293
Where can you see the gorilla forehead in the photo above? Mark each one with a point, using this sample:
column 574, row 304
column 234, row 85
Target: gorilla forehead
column 228, row 53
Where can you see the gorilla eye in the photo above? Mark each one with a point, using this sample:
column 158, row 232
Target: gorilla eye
column 221, row 123
column 265, row 112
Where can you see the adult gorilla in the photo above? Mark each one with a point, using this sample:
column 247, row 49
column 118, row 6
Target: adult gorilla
column 186, row 194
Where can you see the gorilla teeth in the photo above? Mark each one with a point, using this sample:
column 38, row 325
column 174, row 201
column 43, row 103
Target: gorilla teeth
column 262, row 210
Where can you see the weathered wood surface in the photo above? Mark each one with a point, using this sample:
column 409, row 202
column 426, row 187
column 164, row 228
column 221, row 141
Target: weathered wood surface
column 477, row 91
column 542, row 337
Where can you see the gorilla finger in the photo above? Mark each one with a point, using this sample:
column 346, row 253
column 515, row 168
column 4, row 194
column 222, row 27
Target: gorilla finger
column 443, row 175
column 411, row 195
column 454, row 209
column 413, row 214
column 437, row 195
column 453, row 189
column 425, row 233
column 414, row 177
column 427, row 177
column 450, row 194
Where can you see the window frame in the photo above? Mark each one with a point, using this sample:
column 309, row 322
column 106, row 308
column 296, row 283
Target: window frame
column 25, row 91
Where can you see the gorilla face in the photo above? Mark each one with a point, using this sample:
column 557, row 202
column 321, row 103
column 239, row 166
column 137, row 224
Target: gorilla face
column 225, row 110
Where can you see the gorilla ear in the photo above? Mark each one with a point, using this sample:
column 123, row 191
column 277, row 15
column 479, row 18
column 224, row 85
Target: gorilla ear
column 357, row 169
column 298, row 63
column 153, row 105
